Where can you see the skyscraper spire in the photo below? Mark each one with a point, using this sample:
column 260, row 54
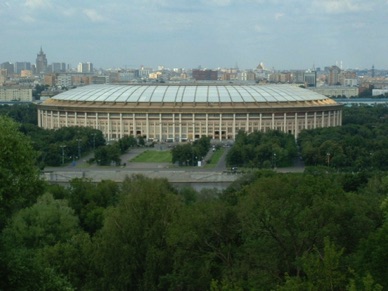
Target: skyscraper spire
column 41, row 62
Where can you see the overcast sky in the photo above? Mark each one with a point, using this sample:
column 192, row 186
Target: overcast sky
column 283, row 34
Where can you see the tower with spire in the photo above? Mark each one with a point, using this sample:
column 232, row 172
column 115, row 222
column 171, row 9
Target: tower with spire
column 41, row 62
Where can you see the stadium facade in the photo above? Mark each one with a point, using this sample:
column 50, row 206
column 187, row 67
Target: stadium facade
column 186, row 112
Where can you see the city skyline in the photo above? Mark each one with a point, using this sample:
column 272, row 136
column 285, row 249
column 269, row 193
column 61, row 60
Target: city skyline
column 298, row 34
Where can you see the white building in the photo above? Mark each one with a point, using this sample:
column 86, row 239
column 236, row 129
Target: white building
column 378, row 92
column 64, row 81
column 336, row 91
column 85, row 67
column 351, row 82
column 9, row 94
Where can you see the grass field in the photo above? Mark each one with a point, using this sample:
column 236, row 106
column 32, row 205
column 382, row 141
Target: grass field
column 215, row 158
column 151, row 156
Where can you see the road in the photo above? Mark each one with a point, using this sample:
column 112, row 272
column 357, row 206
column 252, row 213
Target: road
column 175, row 174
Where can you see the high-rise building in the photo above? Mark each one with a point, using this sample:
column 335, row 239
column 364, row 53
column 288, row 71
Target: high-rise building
column 50, row 79
column 41, row 62
column 310, row 78
column 334, row 72
column 298, row 76
column 21, row 66
column 85, row 67
column 58, row 67
column 9, row 67
column 3, row 76
column 345, row 75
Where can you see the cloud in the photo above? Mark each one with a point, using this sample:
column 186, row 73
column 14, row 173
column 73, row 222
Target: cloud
column 340, row 6
column 27, row 19
column 259, row 28
column 36, row 4
column 279, row 15
column 69, row 12
column 93, row 15
column 219, row 2
column 358, row 25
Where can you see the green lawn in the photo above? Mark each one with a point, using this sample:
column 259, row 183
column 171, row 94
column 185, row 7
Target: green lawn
column 151, row 156
column 215, row 158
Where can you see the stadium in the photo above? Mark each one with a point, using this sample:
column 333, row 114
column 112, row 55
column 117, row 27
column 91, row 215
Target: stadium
column 176, row 113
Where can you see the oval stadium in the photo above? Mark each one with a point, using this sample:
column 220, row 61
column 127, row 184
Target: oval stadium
column 187, row 112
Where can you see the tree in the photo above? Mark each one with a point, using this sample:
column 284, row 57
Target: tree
column 201, row 146
column 285, row 217
column 205, row 238
column 73, row 260
column 372, row 255
column 22, row 113
column 89, row 200
column 30, row 231
column 262, row 150
column 107, row 154
column 131, row 249
column 183, row 154
column 322, row 270
column 20, row 182
column 45, row 223
column 126, row 142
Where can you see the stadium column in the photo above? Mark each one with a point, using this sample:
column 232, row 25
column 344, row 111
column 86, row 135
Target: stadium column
column 76, row 118
column 315, row 119
column 67, row 119
column 207, row 125
column 273, row 121
column 52, row 120
column 305, row 120
column 193, row 134
column 220, row 127
column 160, row 127
column 200, row 128
column 234, row 126
column 328, row 118
column 109, row 129
column 285, row 122
column 96, row 127
column 46, row 118
column 134, row 125
column 59, row 119
column 85, row 119
column 121, row 126
column 39, row 118
column 180, row 127
column 247, row 124
column 296, row 125
column 147, row 127
column 261, row 122
column 323, row 119
column 173, row 126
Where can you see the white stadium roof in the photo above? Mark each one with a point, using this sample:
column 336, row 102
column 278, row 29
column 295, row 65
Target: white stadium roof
column 189, row 93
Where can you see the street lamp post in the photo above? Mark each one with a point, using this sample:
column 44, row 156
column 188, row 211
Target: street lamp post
column 63, row 153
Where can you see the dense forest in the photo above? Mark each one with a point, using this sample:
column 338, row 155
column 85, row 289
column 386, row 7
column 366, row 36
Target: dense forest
column 318, row 230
